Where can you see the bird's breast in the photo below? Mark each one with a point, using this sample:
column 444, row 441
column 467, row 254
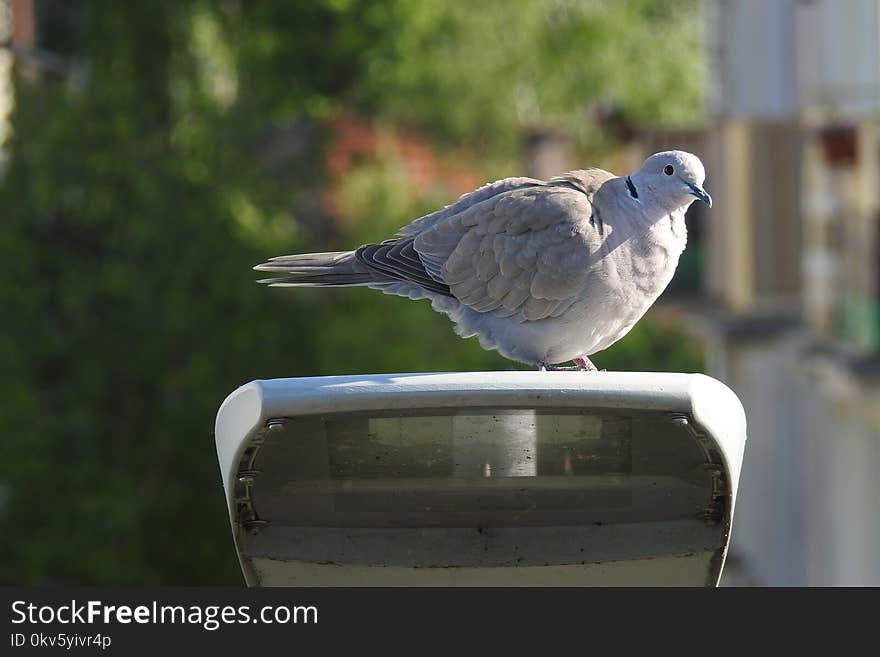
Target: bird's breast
column 643, row 266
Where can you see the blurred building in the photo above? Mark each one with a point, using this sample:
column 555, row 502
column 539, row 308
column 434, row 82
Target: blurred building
column 792, row 273
column 11, row 32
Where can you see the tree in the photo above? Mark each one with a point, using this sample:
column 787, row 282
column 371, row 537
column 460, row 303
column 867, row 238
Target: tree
column 136, row 199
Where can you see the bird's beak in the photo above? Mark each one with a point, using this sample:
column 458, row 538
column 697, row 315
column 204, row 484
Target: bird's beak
column 701, row 194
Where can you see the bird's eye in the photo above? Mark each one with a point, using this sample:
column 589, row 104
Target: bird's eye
column 668, row 170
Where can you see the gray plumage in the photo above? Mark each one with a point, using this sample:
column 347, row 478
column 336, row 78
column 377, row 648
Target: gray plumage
column 542, row 271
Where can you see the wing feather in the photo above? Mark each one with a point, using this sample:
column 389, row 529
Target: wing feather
column 522, row 252
column 517, row 248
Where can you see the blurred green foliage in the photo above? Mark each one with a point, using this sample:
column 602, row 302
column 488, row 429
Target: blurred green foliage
column 137, row 197
column 522, row 64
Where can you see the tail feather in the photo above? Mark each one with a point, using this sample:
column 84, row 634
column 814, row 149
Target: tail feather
column 333, row 269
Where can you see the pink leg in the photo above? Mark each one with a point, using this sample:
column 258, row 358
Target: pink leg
column 582, row 364
column 585, row 364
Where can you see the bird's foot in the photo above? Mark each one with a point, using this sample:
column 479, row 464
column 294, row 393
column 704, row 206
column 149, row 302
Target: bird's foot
column 582, row 364
column 585, row 364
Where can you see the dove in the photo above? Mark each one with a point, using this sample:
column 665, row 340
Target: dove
column 544, row 272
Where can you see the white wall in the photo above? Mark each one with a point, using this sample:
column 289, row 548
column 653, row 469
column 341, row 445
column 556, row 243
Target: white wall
column 807, row 508
column 753, row 49
column 780, row 58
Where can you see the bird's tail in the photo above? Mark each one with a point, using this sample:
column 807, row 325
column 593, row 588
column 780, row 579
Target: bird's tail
column 337, row 268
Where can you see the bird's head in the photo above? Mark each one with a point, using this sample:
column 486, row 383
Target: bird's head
column 674, row 178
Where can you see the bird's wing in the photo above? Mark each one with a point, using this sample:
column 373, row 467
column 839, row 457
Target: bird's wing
column 466, row 201
column 394, row 265
column 522, row 252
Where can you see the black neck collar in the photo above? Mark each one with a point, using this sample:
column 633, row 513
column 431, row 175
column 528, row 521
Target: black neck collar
column 631, row 187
